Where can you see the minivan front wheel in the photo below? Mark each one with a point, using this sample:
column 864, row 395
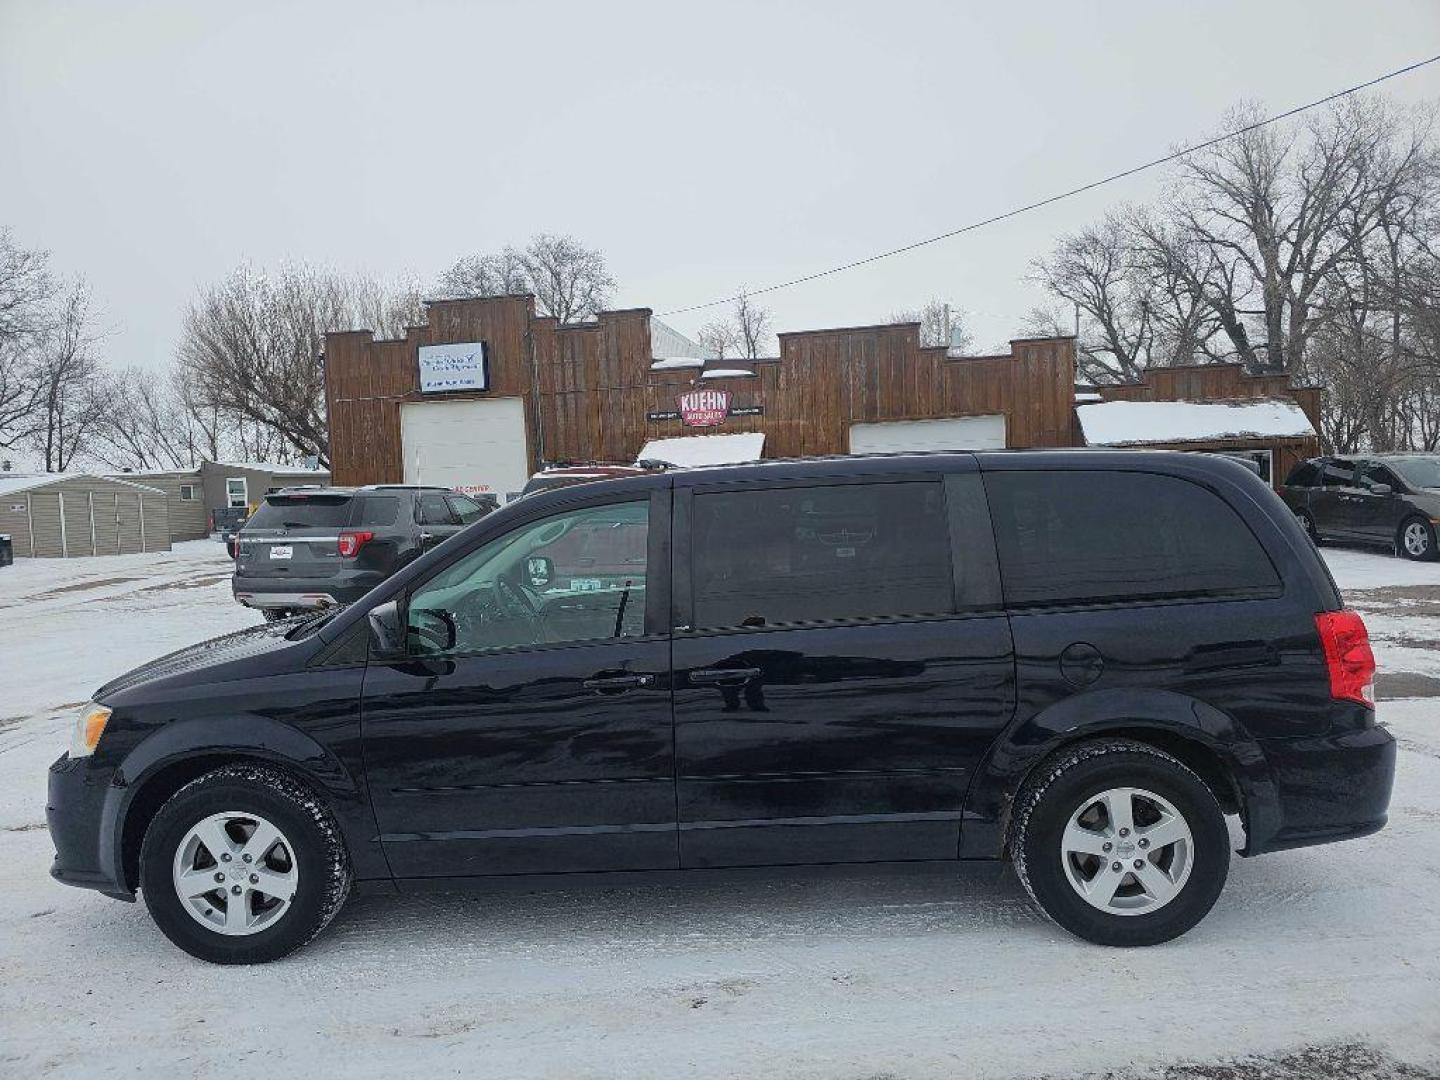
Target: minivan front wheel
column 1120, row 843
column 243, row 865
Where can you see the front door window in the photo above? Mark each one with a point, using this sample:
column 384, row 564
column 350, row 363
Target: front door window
column 577, row 576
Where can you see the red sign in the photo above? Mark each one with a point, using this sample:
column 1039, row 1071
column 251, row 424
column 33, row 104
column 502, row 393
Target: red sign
column 704, row 408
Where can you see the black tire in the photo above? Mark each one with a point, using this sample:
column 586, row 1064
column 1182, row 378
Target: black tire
column 276, row 614
column 319, row 856
column 1061, row 785
column 1427, row 535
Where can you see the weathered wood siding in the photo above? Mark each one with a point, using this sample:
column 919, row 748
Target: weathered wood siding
column 588, row 389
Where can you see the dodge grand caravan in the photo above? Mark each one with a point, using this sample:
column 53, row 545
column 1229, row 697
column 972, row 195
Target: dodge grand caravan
column 1079, row 661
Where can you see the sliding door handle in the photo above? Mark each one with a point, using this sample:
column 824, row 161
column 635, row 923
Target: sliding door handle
column 614, row 684
column 723, row 676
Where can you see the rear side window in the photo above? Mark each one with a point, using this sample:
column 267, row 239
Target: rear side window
column 1077, row 537
column 817, row 554
column 301, row 512
column 377, row 510
column 432, row 509
column 1306, row 474
column 1338, row 473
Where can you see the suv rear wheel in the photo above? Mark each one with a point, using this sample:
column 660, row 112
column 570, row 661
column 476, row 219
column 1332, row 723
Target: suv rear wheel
column 243, row 865
column 1120, row 843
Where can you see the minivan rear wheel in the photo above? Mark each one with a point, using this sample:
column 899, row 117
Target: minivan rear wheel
column 1120, row 843
column 243, row 865
column 1416, row 539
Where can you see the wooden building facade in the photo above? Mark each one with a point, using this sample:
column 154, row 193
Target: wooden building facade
column 597, row 392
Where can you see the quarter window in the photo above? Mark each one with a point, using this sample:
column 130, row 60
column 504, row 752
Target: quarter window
column 578, row 576
column 1075, row 537
column 781, row 556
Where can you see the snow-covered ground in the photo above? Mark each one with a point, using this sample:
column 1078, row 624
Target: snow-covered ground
column 954, row 976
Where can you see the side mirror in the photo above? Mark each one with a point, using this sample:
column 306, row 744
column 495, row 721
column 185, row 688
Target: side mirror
column 1381, row 489
column 539, row 571
column 386, row 632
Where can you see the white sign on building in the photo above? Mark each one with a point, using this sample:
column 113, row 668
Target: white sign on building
column 457, row 366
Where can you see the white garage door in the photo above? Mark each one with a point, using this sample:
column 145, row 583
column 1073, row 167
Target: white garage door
column 961, row 433
column 472, row 446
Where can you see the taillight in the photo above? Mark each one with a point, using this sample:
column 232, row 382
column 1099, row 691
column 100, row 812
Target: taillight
column 352, row 542
column 1347, row 656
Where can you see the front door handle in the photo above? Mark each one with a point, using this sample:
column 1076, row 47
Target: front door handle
column 614, row 684
column 723, row 676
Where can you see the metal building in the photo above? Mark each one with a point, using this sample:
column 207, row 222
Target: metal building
column 60, row 515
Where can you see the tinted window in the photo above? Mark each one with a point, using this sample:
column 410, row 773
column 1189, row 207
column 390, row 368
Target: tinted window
column 301, row 512
column 377, row 510
column 1337, row 473
column 1092, row 536
column 467, row 510
column 1306, row 474
column 432, row 509
column 813, row 554
column 577, row 576
column 1371, row 474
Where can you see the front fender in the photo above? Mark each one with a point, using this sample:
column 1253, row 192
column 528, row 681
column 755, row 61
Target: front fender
column 215, row 740
column 1133, row 712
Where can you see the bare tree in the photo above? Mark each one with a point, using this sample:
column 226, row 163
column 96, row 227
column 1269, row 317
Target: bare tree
column 568, row 280
column 719, row 339
column 1283, row 210
column 74, row 387
column 27, row 292
column 251, row 349
column 941, row 323
column 753, row 324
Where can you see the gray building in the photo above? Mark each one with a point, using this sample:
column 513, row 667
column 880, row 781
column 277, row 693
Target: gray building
column 64, row 515
column 195, row 494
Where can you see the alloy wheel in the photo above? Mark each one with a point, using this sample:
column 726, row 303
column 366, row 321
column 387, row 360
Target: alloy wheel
column 1416, row 539
column 1127, row 851
column 235, row 873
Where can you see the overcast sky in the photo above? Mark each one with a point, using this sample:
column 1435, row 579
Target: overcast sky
column 152, row 147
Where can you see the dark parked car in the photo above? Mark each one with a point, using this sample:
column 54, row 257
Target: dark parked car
column 1080, row 662
column 314, row 547
column 1387, row 499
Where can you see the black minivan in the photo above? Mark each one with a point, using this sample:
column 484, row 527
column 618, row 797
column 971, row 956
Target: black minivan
column 1081, row 661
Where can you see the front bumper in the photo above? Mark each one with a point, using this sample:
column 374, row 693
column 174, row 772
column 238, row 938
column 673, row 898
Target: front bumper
column 263, row 592
column 79, row 812
column 1328, row 788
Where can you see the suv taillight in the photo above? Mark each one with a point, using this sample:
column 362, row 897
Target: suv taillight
column 351, row 542
column 1347, row 656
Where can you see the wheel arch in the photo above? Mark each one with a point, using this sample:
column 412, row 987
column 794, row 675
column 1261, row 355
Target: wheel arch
column 1203, row 738
column 179, row 753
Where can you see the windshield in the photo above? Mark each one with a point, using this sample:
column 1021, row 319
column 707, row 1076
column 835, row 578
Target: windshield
column 301, row 512
column 1418, row 471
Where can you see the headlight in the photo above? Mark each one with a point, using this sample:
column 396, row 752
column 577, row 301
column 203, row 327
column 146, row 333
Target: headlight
column 89, row 726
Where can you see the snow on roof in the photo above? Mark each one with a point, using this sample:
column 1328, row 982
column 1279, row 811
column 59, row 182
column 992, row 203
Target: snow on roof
column 13, row 485
column 1124, row 423
column 671, row 363
column 727, row 373
column 688, row 450
column 271, row 467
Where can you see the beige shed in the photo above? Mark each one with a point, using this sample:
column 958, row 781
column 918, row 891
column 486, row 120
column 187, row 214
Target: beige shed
column 64, row 515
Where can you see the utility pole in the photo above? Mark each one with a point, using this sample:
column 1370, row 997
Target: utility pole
column 1077, row 321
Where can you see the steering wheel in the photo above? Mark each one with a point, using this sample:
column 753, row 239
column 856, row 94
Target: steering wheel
column 481, row 610
column 514, row 601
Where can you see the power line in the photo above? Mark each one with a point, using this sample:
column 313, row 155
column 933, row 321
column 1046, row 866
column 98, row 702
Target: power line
column 1065, row 194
